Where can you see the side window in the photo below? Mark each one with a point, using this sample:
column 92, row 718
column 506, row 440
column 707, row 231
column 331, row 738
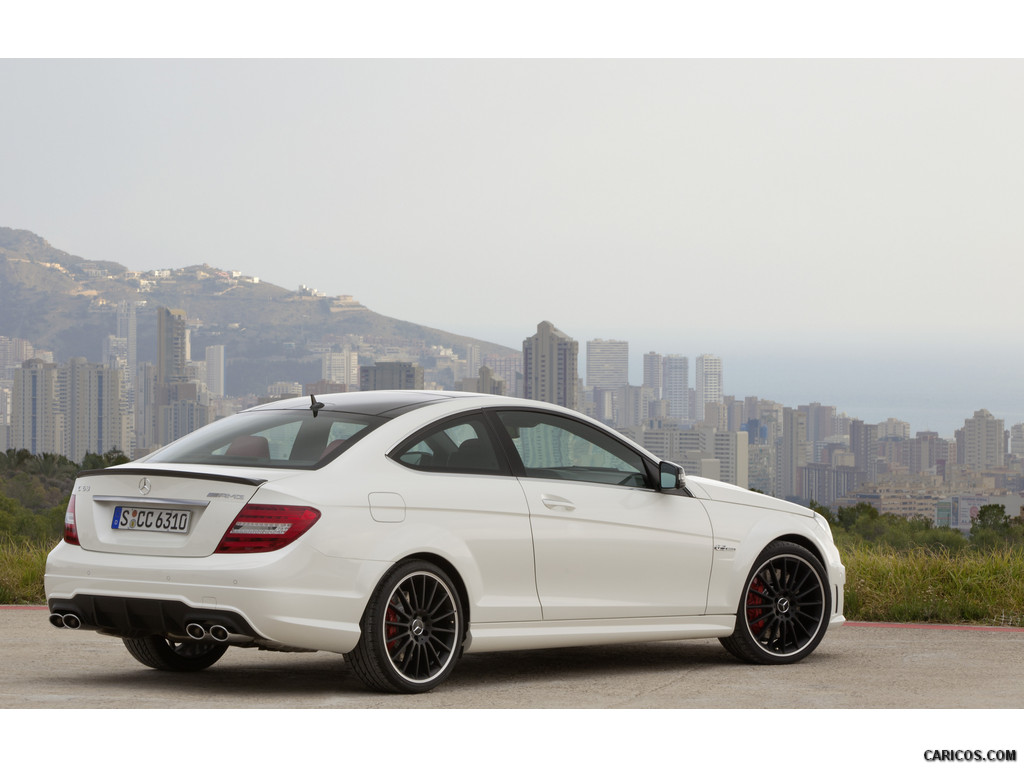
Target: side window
column 560, row 448
column 462, row 445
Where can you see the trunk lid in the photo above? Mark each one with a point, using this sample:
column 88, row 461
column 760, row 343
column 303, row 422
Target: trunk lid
column 172, row 510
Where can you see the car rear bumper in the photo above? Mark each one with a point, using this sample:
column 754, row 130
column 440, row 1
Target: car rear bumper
column 296, row 597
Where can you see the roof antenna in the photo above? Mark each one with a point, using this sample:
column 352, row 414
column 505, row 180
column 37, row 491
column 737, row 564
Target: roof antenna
column 314, row 406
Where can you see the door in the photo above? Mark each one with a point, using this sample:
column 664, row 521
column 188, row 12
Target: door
column 607, row 542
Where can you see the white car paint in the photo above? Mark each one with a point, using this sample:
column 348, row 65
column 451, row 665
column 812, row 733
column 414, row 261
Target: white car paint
column 543, row 562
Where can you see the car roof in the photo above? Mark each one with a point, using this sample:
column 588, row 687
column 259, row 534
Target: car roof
column 386, row 403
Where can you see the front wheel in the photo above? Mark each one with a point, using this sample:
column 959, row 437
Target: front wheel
column 783, row 611
column 412, row 630
column 159, row 653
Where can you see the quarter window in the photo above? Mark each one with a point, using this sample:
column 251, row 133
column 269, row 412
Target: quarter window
column 463, row 445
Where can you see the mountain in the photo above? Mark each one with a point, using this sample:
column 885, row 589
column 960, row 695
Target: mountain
column 68, row 304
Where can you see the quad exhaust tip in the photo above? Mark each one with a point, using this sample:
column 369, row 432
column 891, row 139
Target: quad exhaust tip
column 65, row 620
column 216, row 633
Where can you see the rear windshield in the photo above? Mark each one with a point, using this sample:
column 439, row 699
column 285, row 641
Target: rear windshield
column 288, row 439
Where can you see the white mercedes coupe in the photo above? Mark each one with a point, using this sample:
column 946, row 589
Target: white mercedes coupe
column 403, row 529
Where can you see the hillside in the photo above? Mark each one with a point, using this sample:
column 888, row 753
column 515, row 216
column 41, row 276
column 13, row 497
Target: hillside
column 68, row 304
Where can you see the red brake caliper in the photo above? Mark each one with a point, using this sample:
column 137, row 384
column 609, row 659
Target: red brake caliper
column 391, row 617
column 754, row 613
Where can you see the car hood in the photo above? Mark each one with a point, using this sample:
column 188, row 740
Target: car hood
column 703, row 488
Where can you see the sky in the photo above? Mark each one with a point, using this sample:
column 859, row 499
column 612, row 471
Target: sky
column 845, row 231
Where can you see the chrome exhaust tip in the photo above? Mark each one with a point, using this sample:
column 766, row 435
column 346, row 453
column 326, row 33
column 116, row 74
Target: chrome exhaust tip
column 195, row 631
column 219, row 633
column 57, row 620
column 71, row 621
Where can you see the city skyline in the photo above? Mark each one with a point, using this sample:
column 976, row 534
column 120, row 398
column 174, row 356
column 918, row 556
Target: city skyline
column 944, row 416
column 805, row 453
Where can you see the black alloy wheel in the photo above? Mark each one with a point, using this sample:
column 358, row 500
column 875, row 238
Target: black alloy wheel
column 412, row 630
column 783, row 612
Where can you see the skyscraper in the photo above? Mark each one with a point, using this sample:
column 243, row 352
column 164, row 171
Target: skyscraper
column 391, row 375
column 864, row 447
column 36, row 423
column 340, row 366
column 676, row 381
column 551, row 367
column 215, row 369
column 794, row 452
column 607, row 364
column 126, row 329
column 654, row 374
column 981, row 444
column 172, row 345
column 90, row 395
column 708, row 382
column 182, row 403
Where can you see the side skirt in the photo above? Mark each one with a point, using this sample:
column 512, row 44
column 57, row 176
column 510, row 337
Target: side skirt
column 529, row 635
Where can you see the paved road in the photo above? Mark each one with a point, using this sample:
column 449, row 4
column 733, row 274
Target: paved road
column 856, row 667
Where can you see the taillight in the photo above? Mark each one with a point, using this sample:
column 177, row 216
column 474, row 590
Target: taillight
column 70, row 525
column 266, row 527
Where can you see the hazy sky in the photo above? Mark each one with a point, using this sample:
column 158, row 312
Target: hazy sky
column 847, row 231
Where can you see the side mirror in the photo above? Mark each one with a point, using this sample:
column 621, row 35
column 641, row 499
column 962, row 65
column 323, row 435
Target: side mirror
column 672, row 476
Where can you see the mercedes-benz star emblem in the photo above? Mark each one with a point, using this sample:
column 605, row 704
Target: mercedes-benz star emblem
column 145, row 486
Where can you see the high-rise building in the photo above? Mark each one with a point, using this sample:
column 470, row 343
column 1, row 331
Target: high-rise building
column 820, row 421
column 732, row 451
column 607, row 364
column 485, row 382
column 981, row 444
column 1017, row 439
column 340, row 366
column 864, row 446
column 654, row 374
column 90, row 399
column 794, row 452
column 676, row 383
column 391, row 375
column 708, row 382
column 182, row 402
column 127, row 330
column 172, row 345
column 551, row 367
column 508, row 368
column 215, row 369
column 36, row 423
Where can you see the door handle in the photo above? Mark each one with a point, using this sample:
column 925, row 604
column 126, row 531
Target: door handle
column 557, row 502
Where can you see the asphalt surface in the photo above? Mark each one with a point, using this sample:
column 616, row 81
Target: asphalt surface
column 859, row 666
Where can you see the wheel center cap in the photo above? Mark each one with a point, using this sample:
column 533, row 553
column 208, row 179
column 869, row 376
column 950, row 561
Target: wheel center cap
column 782, row 605
column 418, row 627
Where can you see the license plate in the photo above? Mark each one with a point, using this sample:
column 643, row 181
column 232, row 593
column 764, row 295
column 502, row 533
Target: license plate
column 142, row 519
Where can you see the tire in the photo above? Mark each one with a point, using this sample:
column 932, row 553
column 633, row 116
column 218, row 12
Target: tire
column 159, row 653
column 412, row 630
column 784, row 609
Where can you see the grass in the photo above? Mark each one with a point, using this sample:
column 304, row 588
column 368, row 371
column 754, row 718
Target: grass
column 882, row 584
column 966, row 587
column 21, row 572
